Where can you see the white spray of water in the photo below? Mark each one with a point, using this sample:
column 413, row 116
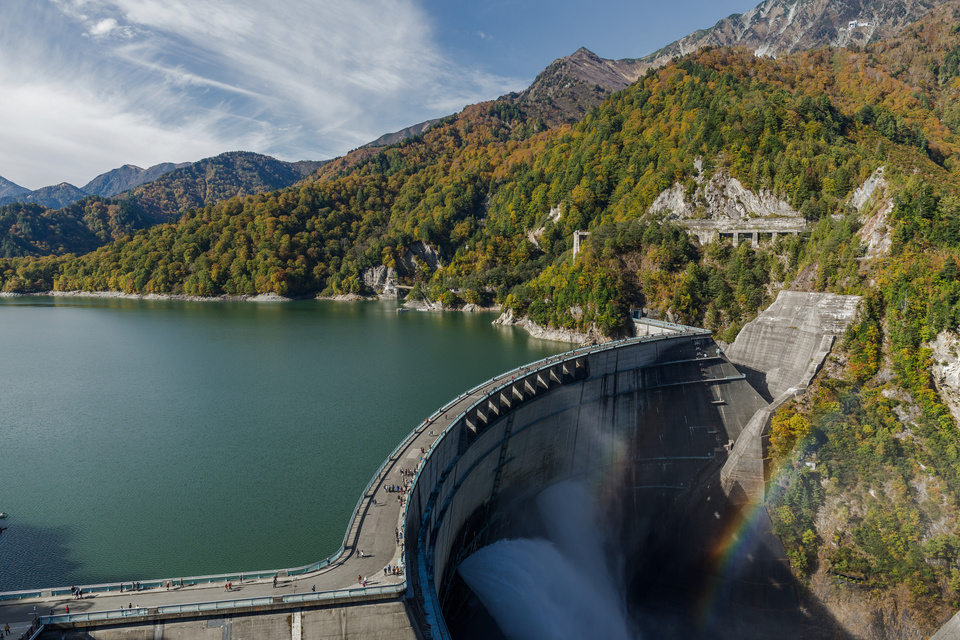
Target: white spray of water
column 556, row 589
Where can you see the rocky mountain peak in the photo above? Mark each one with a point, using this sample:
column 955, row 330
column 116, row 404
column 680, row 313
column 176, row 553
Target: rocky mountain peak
column 776, row 27
column 11, row 189
column 571, row 85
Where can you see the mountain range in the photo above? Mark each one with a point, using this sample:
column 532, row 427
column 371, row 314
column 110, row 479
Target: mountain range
column 776, row 27
column 28, row 227
column 564, row 91
column 129, row 177
column 105, row 185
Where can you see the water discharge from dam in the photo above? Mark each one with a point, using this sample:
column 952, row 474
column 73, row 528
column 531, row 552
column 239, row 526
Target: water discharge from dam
column 568, row 585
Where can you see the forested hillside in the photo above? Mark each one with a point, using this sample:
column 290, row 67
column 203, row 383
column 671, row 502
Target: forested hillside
column 810, row 128
column 93, row 221
column 873, row 516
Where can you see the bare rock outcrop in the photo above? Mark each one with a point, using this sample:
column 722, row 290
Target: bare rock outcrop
column 946, row 369
column 593, row 336
column 874, row 204
column 381, row 279
column 421, row 250
column 720, row 197
column 534, row 234
column 776, row 27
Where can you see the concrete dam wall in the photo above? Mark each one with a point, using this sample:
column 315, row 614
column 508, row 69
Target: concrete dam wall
column 670, row 437
column 652, row 420
column 780, row 352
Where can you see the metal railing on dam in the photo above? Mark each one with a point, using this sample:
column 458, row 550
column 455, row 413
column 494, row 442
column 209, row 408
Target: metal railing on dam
column 458, row 423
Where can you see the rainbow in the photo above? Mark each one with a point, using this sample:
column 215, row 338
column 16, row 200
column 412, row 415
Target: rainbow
column 739, row 533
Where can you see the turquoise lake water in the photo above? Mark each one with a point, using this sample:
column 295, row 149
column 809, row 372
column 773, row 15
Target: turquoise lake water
column 150, row 439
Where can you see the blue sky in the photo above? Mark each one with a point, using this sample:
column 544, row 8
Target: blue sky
column 90, row 85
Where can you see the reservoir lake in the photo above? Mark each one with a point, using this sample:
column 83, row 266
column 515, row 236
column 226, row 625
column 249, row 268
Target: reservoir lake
column 146, row 439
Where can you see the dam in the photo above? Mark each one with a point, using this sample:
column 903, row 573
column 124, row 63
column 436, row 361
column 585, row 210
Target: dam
column 664, row 433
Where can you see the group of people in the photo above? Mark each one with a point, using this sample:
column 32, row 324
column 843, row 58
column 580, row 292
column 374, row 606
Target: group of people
column 392, row 570
column 77, row 593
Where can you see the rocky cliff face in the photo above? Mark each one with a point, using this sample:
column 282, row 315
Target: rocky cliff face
column 946, row 369
column 418, row 250
column 777, row 27
column 722, row 197
column 873, row 203
column 593, row 336
column 382, row 279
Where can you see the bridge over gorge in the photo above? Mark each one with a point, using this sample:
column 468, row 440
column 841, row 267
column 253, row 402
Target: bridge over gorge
column 690, row 431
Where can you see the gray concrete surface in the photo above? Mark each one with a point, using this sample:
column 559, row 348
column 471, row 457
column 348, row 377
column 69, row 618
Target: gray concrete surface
column 752, row 228
column 950, row 630
column 780, row 352
column 786, row 344
column 371, row 621
column 671, row 404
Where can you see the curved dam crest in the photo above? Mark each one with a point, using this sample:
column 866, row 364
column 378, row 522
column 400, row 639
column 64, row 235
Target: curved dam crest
column 663, row 430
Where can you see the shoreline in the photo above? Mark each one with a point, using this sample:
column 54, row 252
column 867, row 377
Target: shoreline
column 580, row 338
column 505, row 319
column 263, row 297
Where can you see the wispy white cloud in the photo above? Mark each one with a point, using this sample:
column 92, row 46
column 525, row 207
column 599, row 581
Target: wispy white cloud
column 61, row 135
column 164, row 79
column 103, row 27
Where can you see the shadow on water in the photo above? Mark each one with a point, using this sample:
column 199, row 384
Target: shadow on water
column 33, row 557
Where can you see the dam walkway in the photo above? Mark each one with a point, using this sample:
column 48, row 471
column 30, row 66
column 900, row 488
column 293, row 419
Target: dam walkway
column 375, row 529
